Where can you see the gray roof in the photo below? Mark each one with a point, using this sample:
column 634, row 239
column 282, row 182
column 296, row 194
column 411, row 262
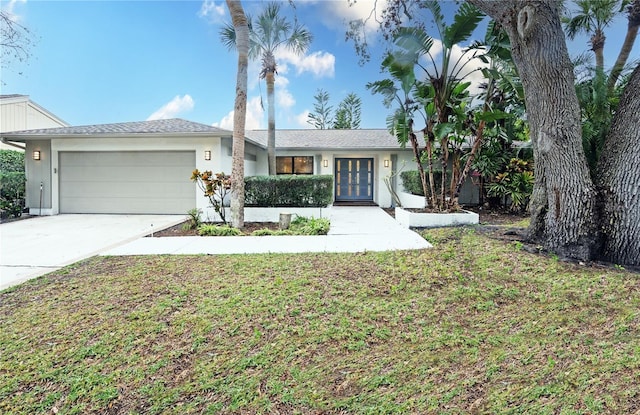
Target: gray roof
column 13, row 96
column 155, row 127
column 327, row 139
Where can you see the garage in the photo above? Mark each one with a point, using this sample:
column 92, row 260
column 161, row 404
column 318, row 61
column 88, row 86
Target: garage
column 127, row 182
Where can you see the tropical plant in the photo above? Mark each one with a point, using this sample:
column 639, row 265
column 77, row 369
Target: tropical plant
column 309, row 226
column 208, row 229
column 268, row 33
column 215, row 187
column 591, row 18
column 441, row 98
column 514, row 185
column 194, row 219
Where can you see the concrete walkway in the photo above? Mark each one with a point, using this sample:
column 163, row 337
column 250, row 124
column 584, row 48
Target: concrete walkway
column 353, row 229
column 36, row 246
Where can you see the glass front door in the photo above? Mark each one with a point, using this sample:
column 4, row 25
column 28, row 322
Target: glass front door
column 354, row 179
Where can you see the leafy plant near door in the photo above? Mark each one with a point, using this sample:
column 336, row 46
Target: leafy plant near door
column 215, row 187
column 441, row 98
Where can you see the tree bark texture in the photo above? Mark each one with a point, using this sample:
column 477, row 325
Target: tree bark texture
column 271, row 131
column 241, row 27
column 619, row 180
column 563, row 200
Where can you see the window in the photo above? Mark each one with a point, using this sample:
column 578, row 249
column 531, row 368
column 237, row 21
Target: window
column 294, row 165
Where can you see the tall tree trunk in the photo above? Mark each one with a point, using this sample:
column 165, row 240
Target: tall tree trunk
column 563, row 201
column 241, row 27
column 619, row 180
column 597, row 46
column 271, row 131
column 629, row 40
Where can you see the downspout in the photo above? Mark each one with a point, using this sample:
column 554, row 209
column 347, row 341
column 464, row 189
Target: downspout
column 9, row 143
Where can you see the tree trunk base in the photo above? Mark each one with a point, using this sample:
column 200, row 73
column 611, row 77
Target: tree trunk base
column 285, row 221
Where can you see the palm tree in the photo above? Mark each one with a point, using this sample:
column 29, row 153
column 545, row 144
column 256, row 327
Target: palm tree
column 592, row 17
column 241, row 29
column 267, row 34
column 633, row 18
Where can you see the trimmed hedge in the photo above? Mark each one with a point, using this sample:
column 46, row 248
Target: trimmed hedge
column 288, row 190
column 412, row 184
column 12, row 183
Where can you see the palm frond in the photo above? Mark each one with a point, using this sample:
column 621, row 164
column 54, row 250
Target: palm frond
column 228, row 36
column 464, row 23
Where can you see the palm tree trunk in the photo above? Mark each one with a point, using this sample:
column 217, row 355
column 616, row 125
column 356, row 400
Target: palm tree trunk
column 629, row 40
column 241, row 27
column 597, row 46
column 271, row 132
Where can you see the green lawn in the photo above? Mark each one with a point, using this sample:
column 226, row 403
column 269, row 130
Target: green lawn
column 475, row 325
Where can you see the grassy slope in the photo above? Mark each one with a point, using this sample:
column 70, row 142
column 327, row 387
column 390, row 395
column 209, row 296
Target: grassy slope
column 473, row 326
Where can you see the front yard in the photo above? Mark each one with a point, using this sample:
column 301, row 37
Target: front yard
column 475, row 325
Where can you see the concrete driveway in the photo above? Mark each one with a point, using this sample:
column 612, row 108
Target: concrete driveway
column 36, row 246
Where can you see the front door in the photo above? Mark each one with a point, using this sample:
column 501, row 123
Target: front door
column 354, row 179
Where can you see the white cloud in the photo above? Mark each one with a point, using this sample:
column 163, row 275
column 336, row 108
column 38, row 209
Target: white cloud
column 320, row 64
column 301, row 119
column 9, row 9
column 337, row 14
column 253, row 120
column 284, row 99
column 211, row 11
column 174, row 107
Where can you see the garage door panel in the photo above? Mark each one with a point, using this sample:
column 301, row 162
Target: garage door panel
column 123, row 173
column 126, row 182
column 128, row 190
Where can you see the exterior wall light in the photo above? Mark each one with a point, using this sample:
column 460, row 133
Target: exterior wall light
column 36, row 155
column 207, row 155
column 325, row 163
column 386, row 163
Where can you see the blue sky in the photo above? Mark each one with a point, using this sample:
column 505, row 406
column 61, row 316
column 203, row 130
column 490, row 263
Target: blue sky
column 115, row 61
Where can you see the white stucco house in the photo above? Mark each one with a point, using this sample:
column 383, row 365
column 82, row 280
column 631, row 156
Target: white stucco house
column 19, row 112
column 145, row 167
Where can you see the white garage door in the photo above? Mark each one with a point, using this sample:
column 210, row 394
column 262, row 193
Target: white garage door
column 127, row 182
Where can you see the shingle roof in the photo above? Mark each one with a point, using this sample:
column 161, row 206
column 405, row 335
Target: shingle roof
column 320, row 139
column 13, row 96
column 174, row 125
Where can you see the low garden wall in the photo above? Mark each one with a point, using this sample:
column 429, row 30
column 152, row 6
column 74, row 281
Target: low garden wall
column 410, row 219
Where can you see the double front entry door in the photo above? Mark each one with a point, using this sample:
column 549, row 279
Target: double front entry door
column 354, row 179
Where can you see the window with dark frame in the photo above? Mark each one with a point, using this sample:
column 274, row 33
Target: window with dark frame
column 294, row 165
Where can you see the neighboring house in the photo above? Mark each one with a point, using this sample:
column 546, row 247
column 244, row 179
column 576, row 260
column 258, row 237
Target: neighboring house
column 18, row 112
column 145, row 167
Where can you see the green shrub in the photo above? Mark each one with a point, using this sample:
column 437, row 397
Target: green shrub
column 514, row 185
column 12, row 188
column 310, row 226
column 271, row 232
column 193, row 219
column 412, row 183
column 208, row 229
column 289, row 190
column 12, row 183
column 11, row 160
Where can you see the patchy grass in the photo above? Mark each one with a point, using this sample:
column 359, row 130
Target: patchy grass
column 473, row 326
